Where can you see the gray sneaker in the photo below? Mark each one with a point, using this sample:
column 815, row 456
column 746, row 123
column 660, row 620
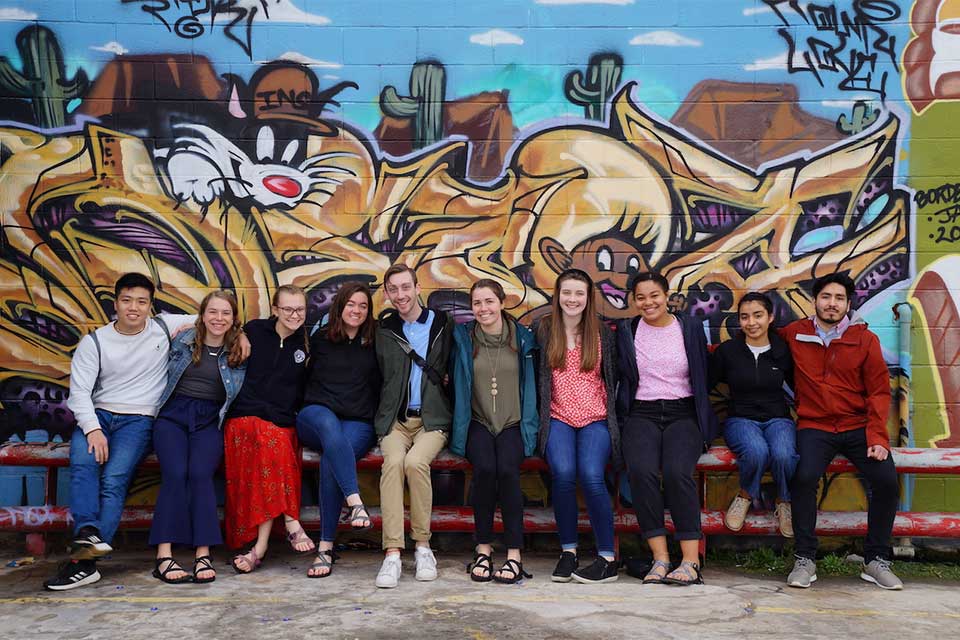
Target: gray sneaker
column 804, row 573
column 878, row 572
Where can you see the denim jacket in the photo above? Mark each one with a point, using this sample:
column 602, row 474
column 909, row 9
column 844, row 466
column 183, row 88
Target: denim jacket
column 181, row 354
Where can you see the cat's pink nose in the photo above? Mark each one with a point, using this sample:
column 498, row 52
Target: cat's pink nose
column 282, row 186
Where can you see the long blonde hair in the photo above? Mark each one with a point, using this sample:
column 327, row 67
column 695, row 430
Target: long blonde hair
column 553, row 337
column 230, row 342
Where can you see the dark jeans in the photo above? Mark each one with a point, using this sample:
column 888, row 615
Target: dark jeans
column 817, row 448
column 496, row 476
column 761, row 444
column 662, row 435
column 341, row 443
column 98, row 491
column 581, row 454
column 189, row 447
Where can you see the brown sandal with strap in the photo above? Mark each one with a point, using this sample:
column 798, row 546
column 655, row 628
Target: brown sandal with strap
column 299, row 537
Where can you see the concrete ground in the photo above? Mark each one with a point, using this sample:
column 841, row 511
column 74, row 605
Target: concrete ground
column 278, row 601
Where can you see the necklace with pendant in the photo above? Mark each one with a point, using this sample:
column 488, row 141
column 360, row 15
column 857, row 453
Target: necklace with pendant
column 215, row 354
column 494, row 365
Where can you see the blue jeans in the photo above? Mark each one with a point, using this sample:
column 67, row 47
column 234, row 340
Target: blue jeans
column 98, row 492
column 342, row 443
column 580, row 454
column 758, row 445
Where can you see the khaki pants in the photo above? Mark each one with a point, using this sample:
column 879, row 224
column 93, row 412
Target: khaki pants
column 408, row 451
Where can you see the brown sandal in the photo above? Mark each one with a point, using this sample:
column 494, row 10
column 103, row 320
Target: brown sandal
column 250, row 557
column 300, row 537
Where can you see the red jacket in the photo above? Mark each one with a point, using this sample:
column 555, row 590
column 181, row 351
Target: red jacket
column 842, row 387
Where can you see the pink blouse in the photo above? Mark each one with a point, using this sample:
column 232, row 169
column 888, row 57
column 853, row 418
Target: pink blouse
column 578, row 398
column 661, row 362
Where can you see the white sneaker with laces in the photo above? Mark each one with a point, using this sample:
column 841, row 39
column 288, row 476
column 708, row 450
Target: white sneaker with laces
column 390, row 570
column 426, row 564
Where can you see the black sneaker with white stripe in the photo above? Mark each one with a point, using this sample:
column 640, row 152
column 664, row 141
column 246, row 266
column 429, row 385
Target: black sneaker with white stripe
column 73, row 574
column 89, row 545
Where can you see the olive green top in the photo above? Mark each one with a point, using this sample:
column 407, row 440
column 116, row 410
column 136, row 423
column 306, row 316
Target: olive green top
column 496, row 355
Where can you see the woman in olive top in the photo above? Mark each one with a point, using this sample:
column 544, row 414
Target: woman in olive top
column 494, row 422
column 340, row 401
column 663, row 396
column 261, row 452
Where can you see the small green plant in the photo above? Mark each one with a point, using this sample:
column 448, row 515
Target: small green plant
column 593, row 89
column 861, row 118
column 42, row 79
column 424, row 105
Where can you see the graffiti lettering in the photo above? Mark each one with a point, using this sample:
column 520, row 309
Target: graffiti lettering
column 185, row 18
column 275, row 99
column 944, row 194
column 946, row 234
column 855, row 46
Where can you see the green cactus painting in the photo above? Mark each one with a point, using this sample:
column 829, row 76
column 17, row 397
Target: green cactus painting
column 593, row 89
column 424, row 105
column 43, row 77
column 860, row 119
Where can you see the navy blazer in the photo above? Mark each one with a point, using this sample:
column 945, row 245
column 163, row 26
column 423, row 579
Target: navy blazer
column 695, row 345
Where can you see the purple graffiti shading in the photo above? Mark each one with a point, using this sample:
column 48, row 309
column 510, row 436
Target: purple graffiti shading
column 749, row 263
column 47, row 327
column 34, row 405
column 129, row 233
column 880, row 276
column 716, row 217
column 456, row 303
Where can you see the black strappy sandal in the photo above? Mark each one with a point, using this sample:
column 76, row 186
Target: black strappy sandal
column 355, row 512
column 515, row 568
column 324, row 560
column 201, row 564
column 173, row 566
column 689, row 569
column 484, row 562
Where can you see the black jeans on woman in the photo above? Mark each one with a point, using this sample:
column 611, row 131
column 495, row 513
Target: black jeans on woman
column 662, row 435
column 496, row 476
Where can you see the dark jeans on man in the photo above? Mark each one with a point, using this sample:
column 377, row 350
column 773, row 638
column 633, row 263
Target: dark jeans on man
column 496, row 476
column 817, row 448
column 661, row 437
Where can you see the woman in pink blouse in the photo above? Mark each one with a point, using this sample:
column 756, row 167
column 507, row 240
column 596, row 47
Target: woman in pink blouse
column 664, row 404
column 578, row 428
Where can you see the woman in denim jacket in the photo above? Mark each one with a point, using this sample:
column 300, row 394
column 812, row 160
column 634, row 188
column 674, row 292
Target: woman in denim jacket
column 204, row 375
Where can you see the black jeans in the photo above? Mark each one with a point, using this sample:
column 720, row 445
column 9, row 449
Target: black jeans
column 496, row 475
column 817, row 448
column 663, row 435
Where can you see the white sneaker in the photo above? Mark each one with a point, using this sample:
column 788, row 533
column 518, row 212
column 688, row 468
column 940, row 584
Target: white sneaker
column 426, row 564
column 389, row 575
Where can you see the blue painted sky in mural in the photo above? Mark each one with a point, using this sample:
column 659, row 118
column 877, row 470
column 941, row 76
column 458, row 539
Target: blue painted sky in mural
column 525, row 46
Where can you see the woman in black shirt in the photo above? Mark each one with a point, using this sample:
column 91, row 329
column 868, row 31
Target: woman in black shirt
column 340, row 401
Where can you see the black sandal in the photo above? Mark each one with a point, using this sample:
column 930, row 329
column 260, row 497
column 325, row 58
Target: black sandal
column 201, row 564
column 515, row 568
column 173, row 566
column 324, row 560
column 483, row 562
column 689, row 569
column 355, row 512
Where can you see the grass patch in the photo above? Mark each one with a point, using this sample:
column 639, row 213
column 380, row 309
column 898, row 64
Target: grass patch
column 766, row 561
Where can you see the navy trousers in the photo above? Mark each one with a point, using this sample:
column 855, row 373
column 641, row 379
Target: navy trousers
column 189, row 446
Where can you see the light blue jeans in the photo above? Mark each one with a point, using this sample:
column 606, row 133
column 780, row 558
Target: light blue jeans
column 758, row 445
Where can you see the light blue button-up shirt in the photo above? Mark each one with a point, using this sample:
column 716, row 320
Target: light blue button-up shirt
column 418, row 335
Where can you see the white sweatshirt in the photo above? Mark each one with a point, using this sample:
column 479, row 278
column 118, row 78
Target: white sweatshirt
column 132, row 371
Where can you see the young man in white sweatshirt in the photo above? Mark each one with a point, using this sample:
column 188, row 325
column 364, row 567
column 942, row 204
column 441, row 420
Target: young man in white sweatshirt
column 117, row 376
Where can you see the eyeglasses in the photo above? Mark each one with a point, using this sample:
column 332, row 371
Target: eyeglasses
column 293, row 311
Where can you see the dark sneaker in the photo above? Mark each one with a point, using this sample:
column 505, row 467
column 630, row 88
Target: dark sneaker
column 565, row 567
column 73, row 574
column 602, row 570
column 878, row 572
column 804, row 573
column 89, row 545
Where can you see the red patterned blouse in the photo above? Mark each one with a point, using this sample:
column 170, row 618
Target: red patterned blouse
column 578, row 398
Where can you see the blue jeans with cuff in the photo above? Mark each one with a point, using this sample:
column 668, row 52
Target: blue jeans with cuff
column 758, row 445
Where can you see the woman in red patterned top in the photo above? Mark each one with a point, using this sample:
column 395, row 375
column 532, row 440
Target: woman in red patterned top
column 578, row 428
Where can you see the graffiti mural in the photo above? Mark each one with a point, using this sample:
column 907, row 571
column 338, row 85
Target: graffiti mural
column 247, row 145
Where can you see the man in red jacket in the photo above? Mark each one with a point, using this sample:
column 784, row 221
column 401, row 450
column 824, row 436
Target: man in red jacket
column 843, row 397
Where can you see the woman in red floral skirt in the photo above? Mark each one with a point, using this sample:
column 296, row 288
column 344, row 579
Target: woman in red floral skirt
column 262, row 455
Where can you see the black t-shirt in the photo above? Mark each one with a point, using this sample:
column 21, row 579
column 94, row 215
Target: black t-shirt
column 202, row 379
column 276, row 369
column 344, row 377
column 756, row 383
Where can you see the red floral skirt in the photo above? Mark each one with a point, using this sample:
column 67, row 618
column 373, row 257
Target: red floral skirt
column 262, row 469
